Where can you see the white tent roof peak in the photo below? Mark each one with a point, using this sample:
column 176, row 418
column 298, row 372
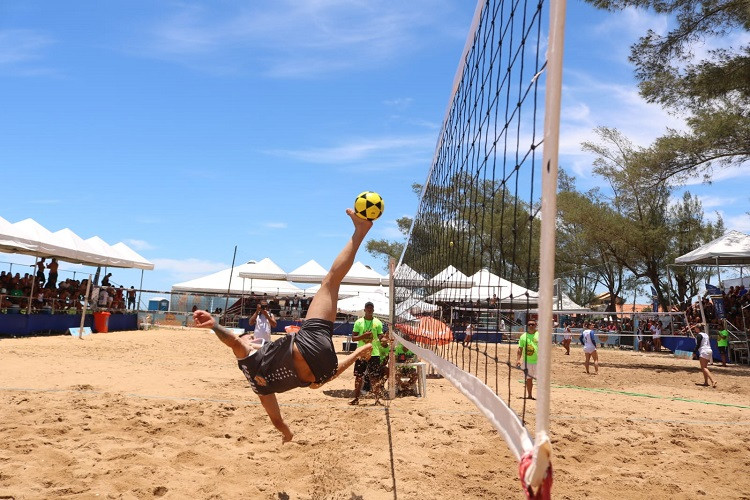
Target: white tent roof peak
column 31, row 238
column 361, row 274
column 139, row 261
column 451, row 277
column 309, row 272
column 733, row 248
column 218, row 282
column 265, row 269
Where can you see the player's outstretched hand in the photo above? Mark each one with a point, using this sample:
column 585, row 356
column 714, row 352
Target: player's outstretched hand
column 203, row 319
column 360, row 224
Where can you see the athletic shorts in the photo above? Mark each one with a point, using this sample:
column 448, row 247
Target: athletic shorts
column 530, row 370
column 315, row 343
column 589, row 350
column 723, row 350
column 705, row 354
column 366, row 366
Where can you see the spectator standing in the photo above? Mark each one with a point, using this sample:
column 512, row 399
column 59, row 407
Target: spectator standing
column 131, row 297
column 528, row 347
column 40, row 272
column 263, row 320
column 52, row 279
column 723, row 343
column 469, row 333
column 367, row 330
column 656, row 335
column 567, row 338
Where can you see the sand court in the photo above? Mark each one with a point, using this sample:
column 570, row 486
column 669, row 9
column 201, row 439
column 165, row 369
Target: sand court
column 166, row 413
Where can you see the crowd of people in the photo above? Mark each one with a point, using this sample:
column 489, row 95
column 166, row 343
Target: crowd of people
column 736, row 303
column 50, row 295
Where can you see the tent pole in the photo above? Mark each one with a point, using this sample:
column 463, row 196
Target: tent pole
column 669, row 288
column 140, row 291
column 31, row 294
column 718, row 274
column 391, row 339
column 83, row 311
column 229, row 287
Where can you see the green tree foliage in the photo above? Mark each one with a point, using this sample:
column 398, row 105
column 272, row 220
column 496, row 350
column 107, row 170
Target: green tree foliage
column 689, row 231
column 579, row 256
column 473, row 224
column 385, row 249
column 713, row 93
column 636, row 227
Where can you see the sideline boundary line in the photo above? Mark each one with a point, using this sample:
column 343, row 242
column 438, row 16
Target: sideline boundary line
column 651, row 396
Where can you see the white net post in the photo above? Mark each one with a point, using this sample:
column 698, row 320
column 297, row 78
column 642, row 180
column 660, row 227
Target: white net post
column 553, row 91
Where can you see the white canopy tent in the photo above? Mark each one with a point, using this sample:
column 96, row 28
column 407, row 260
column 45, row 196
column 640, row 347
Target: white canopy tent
column 414, row 306
column 219, row 282
column 486, row 285
column 565, row 303
column 309, row 272
column 265, row 269
column 380, row 301
column 452, row 278
column 28, row 237
column 731, row 249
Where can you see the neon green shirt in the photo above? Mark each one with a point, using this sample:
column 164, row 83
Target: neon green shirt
column 529, row 345
column 376, row 326
column 723, row 338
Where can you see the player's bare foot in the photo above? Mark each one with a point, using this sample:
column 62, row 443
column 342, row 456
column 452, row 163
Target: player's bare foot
column 354, row 402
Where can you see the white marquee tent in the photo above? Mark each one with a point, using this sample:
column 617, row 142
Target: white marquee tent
column 485, row 286
column 219, row 282
column 731, row 249
column 28, row 237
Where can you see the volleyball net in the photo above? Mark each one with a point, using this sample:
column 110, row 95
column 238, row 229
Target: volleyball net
column 479, row 258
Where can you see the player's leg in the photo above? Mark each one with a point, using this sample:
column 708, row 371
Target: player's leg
column 529, row 386
column 595, row 356
column 360, row 352
column 323, row 305
column 586, row 362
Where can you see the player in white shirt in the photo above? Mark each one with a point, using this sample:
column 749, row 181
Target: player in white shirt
column 588, row 339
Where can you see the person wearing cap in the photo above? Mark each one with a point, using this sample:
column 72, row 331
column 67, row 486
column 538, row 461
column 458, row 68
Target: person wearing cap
column 367, row 330
column 304, row 359
column 528, row 347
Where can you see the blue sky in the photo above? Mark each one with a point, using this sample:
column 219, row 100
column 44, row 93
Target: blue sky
column 186, row 128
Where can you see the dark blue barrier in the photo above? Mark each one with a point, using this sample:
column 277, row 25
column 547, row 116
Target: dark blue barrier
column 687, row 344
column 23, row 324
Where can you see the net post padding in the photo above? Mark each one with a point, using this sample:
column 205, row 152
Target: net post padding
column 502, row 418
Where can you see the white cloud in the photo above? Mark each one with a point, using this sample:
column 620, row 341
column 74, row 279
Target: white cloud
column 187, row 269
column 708, row 201
column 20, row 46
column 288, row 38
column 631, row 23
column 139, row 244
column 386, row 152
column 738, row 222
column 48, row 201
column 722, row 174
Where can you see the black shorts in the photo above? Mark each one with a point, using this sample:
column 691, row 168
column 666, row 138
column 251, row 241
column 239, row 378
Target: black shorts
column 315, row 343
column 364, row 367
column 723, row 350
